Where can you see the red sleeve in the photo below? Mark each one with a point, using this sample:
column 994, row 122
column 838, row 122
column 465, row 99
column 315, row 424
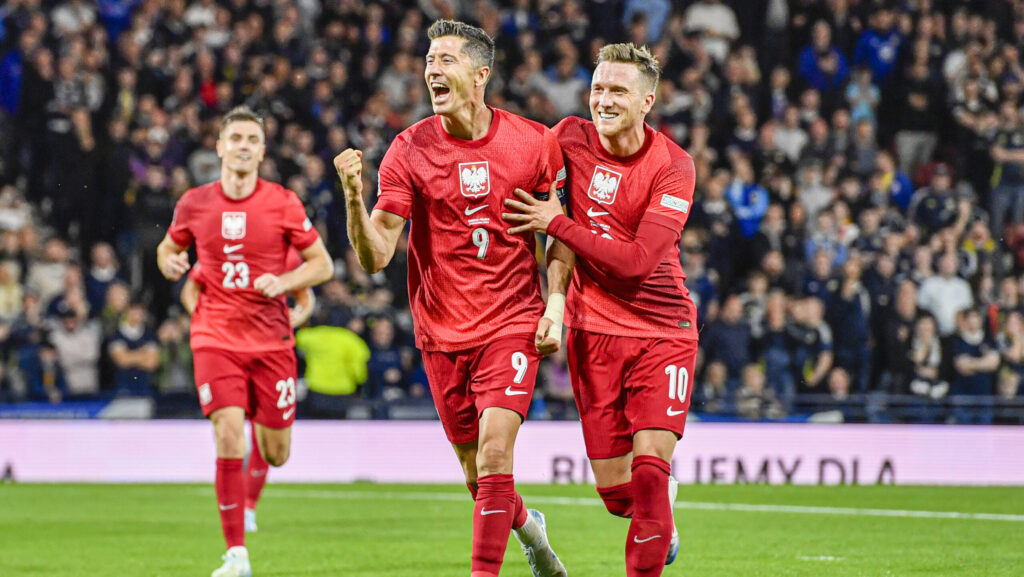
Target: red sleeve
column 298, row 228
column 554, row 168
column 195, row 273
column 180, row 230
column 394, row 188
column 673, row 195
column 631, row 261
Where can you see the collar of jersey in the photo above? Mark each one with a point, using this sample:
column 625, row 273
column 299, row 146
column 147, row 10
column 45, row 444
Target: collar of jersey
column 495, row 121
column 608, row 156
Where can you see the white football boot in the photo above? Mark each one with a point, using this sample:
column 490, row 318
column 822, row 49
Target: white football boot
column 236, row 564
column 533, row 538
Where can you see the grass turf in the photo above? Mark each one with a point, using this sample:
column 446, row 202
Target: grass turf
column 424, row 531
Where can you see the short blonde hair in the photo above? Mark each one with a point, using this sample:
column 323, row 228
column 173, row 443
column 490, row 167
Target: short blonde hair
column 630, row 53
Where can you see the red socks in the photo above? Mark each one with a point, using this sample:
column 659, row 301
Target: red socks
column 650, row 532
column 498, row 506
column 256, row 474
column 230, row 485
column 618, row 499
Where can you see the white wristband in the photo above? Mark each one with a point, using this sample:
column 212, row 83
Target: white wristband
column 555, row 311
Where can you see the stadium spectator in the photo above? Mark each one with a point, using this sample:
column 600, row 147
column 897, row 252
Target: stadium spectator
column 716, row 22
column 753, row 399
column 103, row 271
column 135, row 353
column 728, row 340
column 822, row 66
column 1007, row 198
column 385, row 365
column 945, row 294
column 77, row 342
column 812, row 349
column 976, row 363
column 893, row 366
column 879, row 47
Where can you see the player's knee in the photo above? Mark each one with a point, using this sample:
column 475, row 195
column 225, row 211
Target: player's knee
column 230, row 443
column 493, row 458
column 277, row 456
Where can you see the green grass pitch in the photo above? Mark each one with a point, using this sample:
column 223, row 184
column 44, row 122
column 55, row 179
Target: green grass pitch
column 424, row 531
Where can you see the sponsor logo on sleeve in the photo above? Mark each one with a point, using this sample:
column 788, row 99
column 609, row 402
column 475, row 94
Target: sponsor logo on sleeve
column 306, row 225
column 604, row 185
column 205, row 395
column 475, row 178
column 669, row 201
column 232, row 225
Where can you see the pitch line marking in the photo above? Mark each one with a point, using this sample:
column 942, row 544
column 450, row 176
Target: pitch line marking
column 593, row 502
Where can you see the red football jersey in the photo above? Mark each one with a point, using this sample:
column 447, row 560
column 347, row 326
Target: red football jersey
column 469, row 281
column 236, row 242
column 611, row 196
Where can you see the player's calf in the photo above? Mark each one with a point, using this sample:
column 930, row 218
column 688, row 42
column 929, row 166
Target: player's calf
column 650, row 532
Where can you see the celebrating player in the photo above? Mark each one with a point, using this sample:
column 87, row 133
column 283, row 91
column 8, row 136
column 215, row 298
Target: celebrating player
column 255, row 467
column 474, row 289
column 632, row 343
column 241, row 337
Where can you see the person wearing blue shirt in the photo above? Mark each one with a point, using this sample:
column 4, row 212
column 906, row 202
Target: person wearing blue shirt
column 822, row 65
column 894, row 181
column 749, row 200
column 879, row 47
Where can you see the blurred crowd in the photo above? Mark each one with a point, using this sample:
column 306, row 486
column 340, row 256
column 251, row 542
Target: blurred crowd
column 857, row 236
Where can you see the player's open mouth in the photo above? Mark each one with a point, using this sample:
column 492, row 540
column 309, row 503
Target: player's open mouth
column 607, row 115
column 439, row 91
column 245, row 157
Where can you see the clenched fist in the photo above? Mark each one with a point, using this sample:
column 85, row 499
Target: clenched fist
column 349, row 165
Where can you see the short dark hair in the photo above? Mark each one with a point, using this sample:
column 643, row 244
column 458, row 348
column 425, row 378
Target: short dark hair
column 242, row 113
column 479, row 45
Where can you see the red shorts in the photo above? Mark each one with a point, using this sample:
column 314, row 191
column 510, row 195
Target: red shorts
column 501, row 373
column 261, row 383
column 626, row 384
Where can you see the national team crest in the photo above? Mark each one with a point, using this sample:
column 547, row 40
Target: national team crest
column 604, row 185
column 475, row 178
column 232, row 225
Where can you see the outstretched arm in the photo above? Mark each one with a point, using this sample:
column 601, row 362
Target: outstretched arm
column 374, row 237
column 631, row 261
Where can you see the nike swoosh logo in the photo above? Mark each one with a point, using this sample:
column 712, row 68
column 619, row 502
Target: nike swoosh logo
column 472, row 211
column 288, row 413
column 672, row 413
column 492, row 512
column 228, row 507
column 638, row 540
column 511, row 393
column 230, row 248
column 592, row 213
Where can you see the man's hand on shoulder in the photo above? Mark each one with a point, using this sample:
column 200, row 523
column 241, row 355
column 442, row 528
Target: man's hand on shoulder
column 349, row 165
column 175, row 265
column 269, row 285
